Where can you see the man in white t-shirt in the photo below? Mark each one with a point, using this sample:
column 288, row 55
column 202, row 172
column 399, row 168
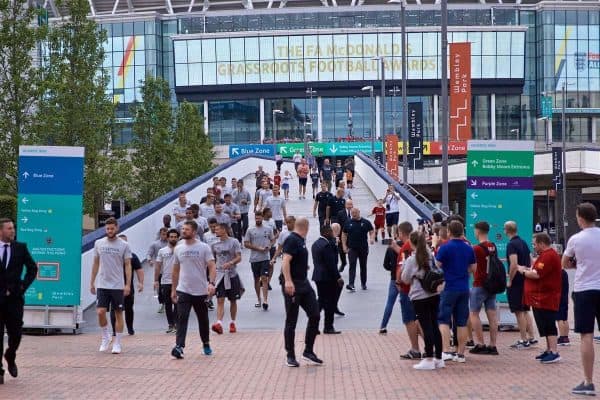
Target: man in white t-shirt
column 583, row 253
column 290, row 220
column 111, row 255
column 180, row 206
column 191, row 287
column 392, row 210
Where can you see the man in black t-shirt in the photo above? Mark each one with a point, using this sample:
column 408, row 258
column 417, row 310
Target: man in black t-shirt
column 518, row 254
column 136, row 267
column 321, row 203
column 298, row 292
column 336, row 204
column 357, row 234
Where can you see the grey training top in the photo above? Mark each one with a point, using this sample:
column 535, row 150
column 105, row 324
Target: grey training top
column 112, row 255
column 260, row 236
column 411, row 276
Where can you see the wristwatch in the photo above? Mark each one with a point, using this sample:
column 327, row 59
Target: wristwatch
column 211, row 283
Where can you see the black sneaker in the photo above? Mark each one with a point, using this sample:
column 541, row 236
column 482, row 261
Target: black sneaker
column 479, row 349
column 350, row 288
column 265, row 306
column 533, row 342
column 177, row 352
column 312, row 357
column 470, row 344
column 586, row 390
column 210, row 305
column 291, row 362
column 491, row 350
column 364, row 287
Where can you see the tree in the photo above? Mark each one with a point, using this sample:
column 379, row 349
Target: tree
column 193, row 148
column 75, row 110
column 154, row 154
column 19, row 85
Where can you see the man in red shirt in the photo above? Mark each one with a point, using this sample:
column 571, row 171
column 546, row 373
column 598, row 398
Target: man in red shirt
column 543, row 284
column 479, row 296
column 409, row 318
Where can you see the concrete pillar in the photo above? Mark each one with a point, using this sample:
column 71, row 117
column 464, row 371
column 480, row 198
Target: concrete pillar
column 205, row 112
column 493, row 116
column 262, row 119
column 436, row 117
column 319, row 119
column 377, row 117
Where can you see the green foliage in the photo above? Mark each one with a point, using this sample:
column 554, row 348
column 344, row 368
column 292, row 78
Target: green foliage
column 193, row 148
column 8, row 207
column 75, row 110
column 19, row 85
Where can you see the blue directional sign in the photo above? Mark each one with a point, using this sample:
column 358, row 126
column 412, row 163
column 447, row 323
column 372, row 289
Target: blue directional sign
column 49, row 219
column 238, row 150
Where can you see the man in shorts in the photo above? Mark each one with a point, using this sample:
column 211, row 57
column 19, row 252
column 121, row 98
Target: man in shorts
column 228, row 253
column 111, row 255
column 259, row 239
column 583, row 247
column 392, row 210
column 518, row 254
column 303, row 170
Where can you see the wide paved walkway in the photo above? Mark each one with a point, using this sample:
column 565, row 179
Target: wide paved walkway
column 359, row 363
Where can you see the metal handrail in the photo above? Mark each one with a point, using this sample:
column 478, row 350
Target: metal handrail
column 418, row 195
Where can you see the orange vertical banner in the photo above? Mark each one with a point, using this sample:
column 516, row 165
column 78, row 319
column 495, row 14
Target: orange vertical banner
column 391, row 155
column 460, row 91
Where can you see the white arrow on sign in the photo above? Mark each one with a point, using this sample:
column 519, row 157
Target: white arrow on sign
column 474, row 163
column 235, row 151
column 283, row 150
column 24, row 219
column 474, row 215
column 25, row 175
column 474, row 195
column 333, row 149
column 473, row 182
column 25, row 200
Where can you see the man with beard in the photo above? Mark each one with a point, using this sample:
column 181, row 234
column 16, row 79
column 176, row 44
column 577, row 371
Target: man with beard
column 163, row 277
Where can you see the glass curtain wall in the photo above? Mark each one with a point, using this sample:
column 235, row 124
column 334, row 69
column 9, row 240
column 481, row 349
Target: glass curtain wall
column 298, row 115
column 235, row 121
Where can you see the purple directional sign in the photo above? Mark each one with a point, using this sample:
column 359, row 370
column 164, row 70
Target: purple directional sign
column 508, row 183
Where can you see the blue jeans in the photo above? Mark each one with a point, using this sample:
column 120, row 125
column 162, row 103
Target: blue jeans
column 389, row 305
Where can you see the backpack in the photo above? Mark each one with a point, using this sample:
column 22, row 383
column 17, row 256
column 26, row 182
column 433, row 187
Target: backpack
column 495, row 282
column 432, row 278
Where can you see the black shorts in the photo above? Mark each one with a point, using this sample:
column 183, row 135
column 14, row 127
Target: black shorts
column 233, row 293
column 260, row 268
column 110, row 298
column 392, row 218
column 563, row 308
column 302, row 181
column 279, row 225
column 586, row 307
column 315, row 184
column 514, row 293
column 545, row 321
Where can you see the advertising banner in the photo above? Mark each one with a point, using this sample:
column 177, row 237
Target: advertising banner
column 460, row 91
column 391, row 155
column 500, row 188
column 415, row 136
column 49, row 219
column 557, row 159
column 239, row 150
column 329, row 149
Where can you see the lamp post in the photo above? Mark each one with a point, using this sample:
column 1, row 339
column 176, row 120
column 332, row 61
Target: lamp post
column 404, row 95
column 563, row 129
column 275, row 112
column 394, row 91
column 370, row 89
column 310, row 93
column 381, row 61
column 444, row 106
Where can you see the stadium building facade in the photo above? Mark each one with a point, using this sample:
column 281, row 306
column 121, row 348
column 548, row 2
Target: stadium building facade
column 304, row 63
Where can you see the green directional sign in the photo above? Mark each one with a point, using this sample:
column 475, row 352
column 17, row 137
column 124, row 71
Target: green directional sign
column 547, row 107
column 329, row 149
column 500, row 189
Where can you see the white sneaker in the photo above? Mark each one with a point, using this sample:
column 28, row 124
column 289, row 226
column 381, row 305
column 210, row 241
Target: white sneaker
column 116, row 349
column 105, row 343
column 447, row 356
column 425, row 364
column 439, row 363
column 459, row 359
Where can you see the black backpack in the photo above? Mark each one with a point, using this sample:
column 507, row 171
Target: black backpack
column 432, row 279
column 495, row 282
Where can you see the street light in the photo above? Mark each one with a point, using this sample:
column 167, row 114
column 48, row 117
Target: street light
column 404, row 95
column 444, row 106
column 370, row 89
column 276, row 111
column 381, row 61
column 309, row 92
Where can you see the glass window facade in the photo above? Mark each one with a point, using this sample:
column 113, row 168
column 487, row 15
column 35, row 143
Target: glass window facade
column 298, row 116
column 236, row 121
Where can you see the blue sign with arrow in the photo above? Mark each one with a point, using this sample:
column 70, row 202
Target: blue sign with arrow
column 238, row 150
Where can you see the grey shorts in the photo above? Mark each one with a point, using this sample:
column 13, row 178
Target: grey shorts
column 480, row 297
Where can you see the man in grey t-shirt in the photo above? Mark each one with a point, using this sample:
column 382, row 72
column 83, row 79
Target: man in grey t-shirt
column 259, row 240
column 190, row 287
column 111, row 255
column 242, row 198
column 228, row 254
column 163, row 277
column 220, row 216
column 277, row 205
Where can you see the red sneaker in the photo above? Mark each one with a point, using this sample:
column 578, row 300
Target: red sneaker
column 232, row 328
column 217, row 328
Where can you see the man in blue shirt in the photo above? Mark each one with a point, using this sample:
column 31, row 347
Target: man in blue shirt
column 457, row 259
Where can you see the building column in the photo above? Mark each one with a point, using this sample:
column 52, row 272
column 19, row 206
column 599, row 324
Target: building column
column 262, row 119
column 493, row 116
column 377, row 117
column 205, row 112
column 436, row 117
column 319, row 120
column 594, row 129
column 548, row 123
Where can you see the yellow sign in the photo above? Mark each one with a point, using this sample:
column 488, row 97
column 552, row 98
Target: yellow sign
column 426, row 148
